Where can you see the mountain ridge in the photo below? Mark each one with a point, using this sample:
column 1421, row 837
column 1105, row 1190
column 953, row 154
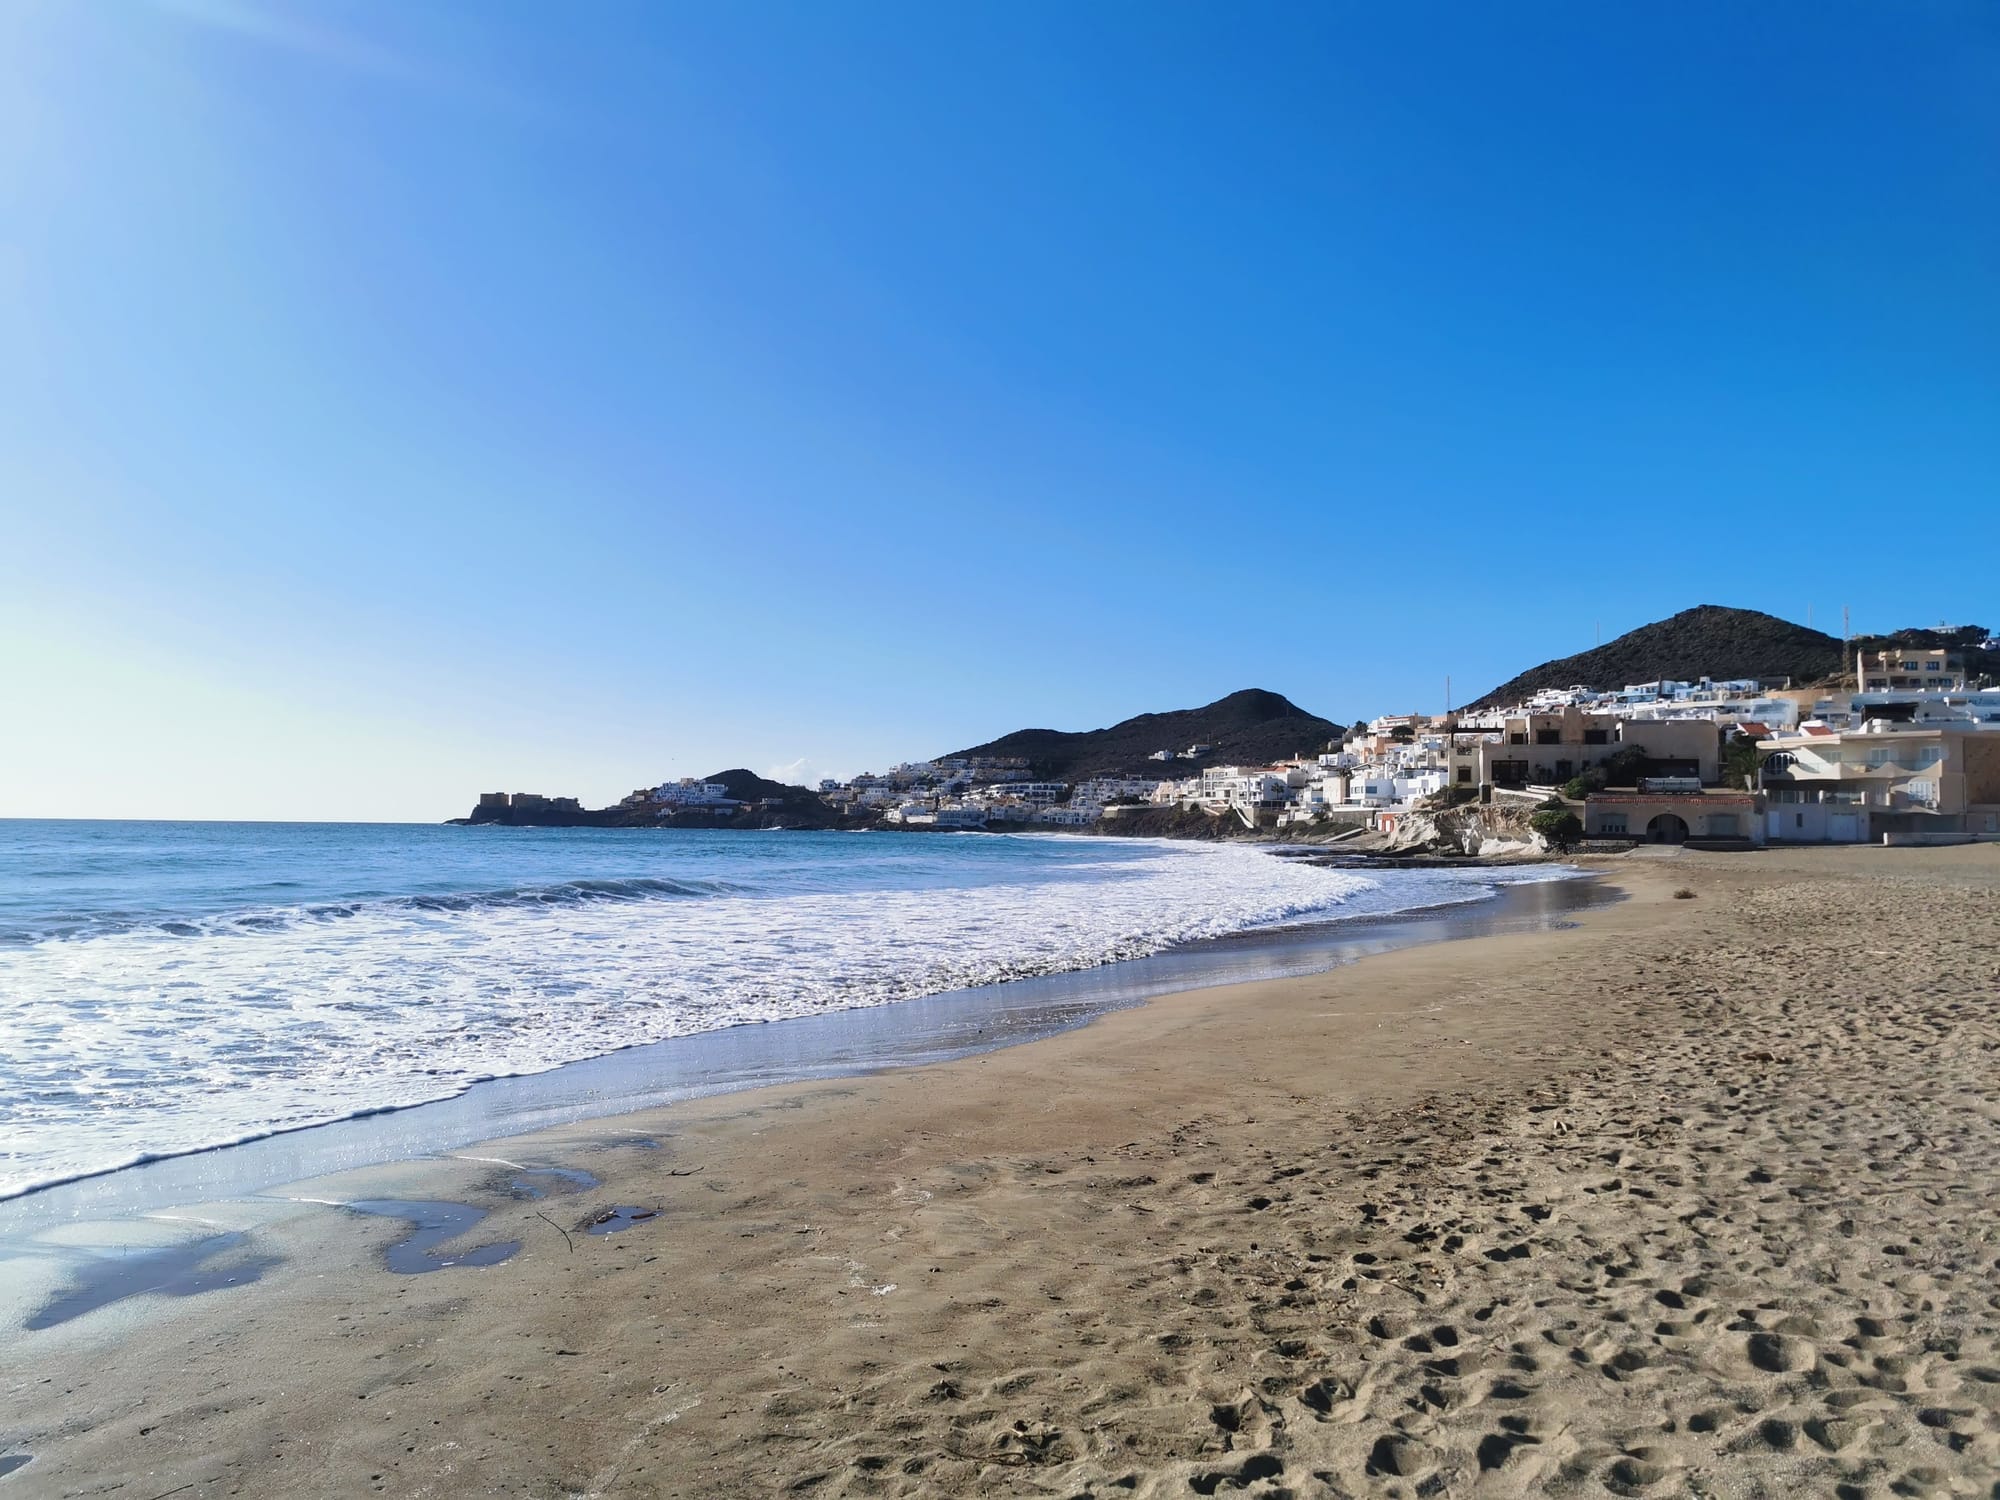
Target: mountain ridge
column 1709, row 640
column 1250, row 726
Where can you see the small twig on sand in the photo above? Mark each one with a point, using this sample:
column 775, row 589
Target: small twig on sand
column 164, row 1493
column 559, row 1230
column 679, row 1172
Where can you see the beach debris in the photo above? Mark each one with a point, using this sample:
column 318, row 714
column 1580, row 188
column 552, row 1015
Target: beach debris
column 559, row 1230
column 623, row 1216
column 683, row 1171
column 884, row 1290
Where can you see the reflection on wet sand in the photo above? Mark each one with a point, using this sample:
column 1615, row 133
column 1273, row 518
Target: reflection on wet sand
column 171, row 1271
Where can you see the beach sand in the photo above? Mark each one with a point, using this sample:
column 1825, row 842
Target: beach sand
column 1701, row 1197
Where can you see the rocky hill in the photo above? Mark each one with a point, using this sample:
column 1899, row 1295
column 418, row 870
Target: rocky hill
column 1252, row 727
column 1710, row 640
column 764, row 804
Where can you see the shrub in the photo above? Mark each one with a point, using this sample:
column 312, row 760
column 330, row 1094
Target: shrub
column 1579, row 787
column 1552, row 804
column 1625, row 767
column 1684, row 894
column 1561, row 830
column 1739, row 761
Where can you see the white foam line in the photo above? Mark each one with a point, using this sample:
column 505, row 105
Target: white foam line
column 498, row 1161
column 378, row 1004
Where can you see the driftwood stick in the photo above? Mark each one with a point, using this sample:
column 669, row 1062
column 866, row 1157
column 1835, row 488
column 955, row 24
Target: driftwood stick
column 558, row 1229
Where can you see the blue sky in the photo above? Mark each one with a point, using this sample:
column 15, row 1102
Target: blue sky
column 399, row 401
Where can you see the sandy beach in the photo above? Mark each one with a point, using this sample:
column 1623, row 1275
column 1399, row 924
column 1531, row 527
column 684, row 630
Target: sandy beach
column 1701, row 1197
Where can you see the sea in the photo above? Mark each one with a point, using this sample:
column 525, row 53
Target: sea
column 166, row 988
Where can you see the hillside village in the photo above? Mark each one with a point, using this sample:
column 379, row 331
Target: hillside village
column 1900, row 744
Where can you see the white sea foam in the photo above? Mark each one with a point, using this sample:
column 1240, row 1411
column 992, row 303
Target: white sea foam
column 120, row 1044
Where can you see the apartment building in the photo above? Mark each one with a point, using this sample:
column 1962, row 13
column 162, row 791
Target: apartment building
column 1906, row 668
column 1908, row 780
column 1549, row 747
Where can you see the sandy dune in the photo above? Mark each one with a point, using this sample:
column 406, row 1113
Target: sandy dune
column 1702, row 1198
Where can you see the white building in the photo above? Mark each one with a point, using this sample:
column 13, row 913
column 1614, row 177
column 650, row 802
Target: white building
column 687, row 792
column 1069, row 817
column 1037, row 793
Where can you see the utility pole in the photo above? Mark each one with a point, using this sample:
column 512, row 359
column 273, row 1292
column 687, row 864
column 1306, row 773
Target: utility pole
column 1447, row 694
column 1809, row 623
column 1847, row 648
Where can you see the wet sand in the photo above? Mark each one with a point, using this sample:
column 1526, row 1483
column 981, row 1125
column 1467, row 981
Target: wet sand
column 1701, row 1197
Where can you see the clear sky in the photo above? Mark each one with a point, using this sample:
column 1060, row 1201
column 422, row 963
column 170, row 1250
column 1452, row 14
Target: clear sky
column 403, row 400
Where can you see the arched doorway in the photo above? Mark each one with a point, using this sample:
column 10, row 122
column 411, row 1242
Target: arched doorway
column 1667, row 828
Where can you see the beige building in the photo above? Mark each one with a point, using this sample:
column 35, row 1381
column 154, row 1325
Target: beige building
column 1673, row 817
column 1846, row 786
column 1900, row 670
column 1548, row 748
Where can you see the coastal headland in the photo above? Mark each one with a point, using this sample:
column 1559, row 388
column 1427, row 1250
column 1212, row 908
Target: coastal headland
column 1693, row 1198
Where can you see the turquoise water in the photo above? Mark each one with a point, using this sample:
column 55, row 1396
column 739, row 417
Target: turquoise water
column 168, row 987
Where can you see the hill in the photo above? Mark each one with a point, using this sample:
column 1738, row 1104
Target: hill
column 748, row 786
column 1252, row 727
column 1710, row 640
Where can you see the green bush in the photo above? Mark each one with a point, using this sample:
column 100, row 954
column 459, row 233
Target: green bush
column 1552, row 804
column 1579, row 787
column 1625, row 767
column 1739, row 761
column 1560, row 829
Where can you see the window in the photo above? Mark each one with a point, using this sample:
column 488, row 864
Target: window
column 1548, row 736
column 1517, row 738
column 1596, row 737
column 1611, row 823
column 1465, row 773
column 1933, row 666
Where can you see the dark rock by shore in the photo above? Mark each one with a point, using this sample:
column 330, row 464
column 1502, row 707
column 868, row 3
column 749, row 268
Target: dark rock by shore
column 752, row 802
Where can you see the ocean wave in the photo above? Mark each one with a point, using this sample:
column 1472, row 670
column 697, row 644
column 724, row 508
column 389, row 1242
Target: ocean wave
column 139, row 1042
column 61, row 927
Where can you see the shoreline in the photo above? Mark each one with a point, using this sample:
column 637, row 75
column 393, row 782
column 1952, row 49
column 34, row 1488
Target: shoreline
column 841, row 1043
column 1695, row 1195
